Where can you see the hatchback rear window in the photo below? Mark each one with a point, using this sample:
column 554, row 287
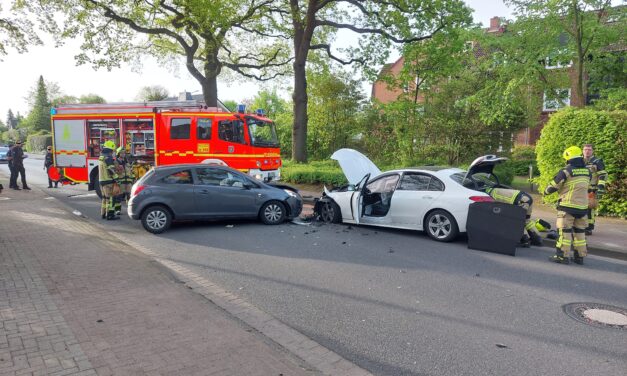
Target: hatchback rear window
column 147, row 175
column 179, row 177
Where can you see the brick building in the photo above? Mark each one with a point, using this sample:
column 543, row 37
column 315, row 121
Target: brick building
column 384, row 93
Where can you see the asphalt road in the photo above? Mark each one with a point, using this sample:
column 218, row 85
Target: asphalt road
column 396, row 302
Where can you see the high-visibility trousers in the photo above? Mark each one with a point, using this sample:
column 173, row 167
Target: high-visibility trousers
column 572, row 233
column 107, row 203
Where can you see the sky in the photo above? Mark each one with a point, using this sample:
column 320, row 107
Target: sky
column 20, row 72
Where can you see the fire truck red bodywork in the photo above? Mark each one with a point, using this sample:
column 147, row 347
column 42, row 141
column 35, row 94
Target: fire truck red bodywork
column 162, row 133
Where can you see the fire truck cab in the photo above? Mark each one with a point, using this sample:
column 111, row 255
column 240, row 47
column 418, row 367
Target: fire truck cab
column 161, row 133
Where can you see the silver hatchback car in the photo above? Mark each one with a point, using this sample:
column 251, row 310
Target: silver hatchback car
column 201, row 191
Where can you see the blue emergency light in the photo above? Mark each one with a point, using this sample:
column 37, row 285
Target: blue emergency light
column 241, row 108
column 260, row 112
column 53, row 111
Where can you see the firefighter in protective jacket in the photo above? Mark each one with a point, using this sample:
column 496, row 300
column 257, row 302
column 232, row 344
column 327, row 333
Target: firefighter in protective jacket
column 126, row 178
column 597, row 182
column 524, row 200
column 107, row 176
column 572, row 184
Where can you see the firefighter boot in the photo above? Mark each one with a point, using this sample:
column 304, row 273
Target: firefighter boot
column 536, row 239
column 589, row 229
column 111, row 215
column 578, row 259
column 524, row 241
column 559, row 258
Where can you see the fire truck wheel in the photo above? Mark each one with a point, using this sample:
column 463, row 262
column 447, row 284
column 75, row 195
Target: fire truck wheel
column 156, row 219
column 272, row 213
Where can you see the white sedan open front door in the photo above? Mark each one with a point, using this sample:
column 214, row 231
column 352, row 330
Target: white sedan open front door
column 358, row 169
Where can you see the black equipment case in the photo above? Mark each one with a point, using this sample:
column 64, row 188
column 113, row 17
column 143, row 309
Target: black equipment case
column 495, row 227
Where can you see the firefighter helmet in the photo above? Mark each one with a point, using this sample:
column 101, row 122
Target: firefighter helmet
column 572, row 152
column 109, row 145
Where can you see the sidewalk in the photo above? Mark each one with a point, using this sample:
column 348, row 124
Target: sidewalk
column 609, row 239
column 76, row 301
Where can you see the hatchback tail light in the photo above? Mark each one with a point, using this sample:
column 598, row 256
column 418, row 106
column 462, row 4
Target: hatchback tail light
column 481, row 199
column 136, row 189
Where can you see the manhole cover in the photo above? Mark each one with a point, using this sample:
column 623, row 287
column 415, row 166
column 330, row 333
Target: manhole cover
column 595, row 314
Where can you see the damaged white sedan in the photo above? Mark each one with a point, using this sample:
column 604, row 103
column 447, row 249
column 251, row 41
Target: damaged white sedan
column 434, row 200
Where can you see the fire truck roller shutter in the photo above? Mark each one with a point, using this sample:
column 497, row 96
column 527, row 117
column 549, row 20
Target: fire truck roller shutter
column 69, row 143
column 213, row 161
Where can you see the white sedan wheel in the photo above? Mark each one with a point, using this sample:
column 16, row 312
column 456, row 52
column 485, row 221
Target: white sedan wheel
column 441, row 226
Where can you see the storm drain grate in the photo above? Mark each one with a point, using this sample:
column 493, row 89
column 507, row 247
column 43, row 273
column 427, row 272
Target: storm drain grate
column 599, row 315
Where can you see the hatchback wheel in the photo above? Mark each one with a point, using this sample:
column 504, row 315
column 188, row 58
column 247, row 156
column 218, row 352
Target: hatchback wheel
column 156, row 219
column 272, row 213
column 441, row 226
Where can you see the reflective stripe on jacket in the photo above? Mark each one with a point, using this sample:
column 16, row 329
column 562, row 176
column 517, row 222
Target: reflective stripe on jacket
column 505, row 195
column 572, row 185
column 106, row 170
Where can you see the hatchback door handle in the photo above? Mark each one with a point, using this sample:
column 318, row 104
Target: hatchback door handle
column 427, row 197
column 204, row 191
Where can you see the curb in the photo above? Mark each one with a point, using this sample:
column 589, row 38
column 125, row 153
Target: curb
column 310, row 352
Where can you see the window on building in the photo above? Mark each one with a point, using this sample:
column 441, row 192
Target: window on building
column 469, row 46
column 558, row 60
column 559, row 99
column 180, row 129
column 203, row 129
column 231, row 130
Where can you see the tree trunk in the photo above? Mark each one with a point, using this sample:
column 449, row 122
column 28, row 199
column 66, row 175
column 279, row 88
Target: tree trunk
column 209, row 81
column 303, row 32
column 210, row 91
column 580, row 100
column 299, row 130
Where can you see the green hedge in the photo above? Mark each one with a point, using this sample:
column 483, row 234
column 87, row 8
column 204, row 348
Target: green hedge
column 38, row 142
column 505, row 173
column 524, row 153
column 521, row 168
column 315, row 172
column 607, row 131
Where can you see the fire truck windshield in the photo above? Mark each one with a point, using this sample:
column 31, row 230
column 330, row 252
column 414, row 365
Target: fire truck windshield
column 262, row 133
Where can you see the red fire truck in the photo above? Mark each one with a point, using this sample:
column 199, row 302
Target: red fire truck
column 161, row 133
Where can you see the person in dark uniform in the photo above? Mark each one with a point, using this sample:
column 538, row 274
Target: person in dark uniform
column 17, row 157
column 597, row 183
column 48, row 162
column 11, row 169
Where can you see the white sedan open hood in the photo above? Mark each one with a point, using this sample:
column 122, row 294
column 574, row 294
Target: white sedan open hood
column 355, row 165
